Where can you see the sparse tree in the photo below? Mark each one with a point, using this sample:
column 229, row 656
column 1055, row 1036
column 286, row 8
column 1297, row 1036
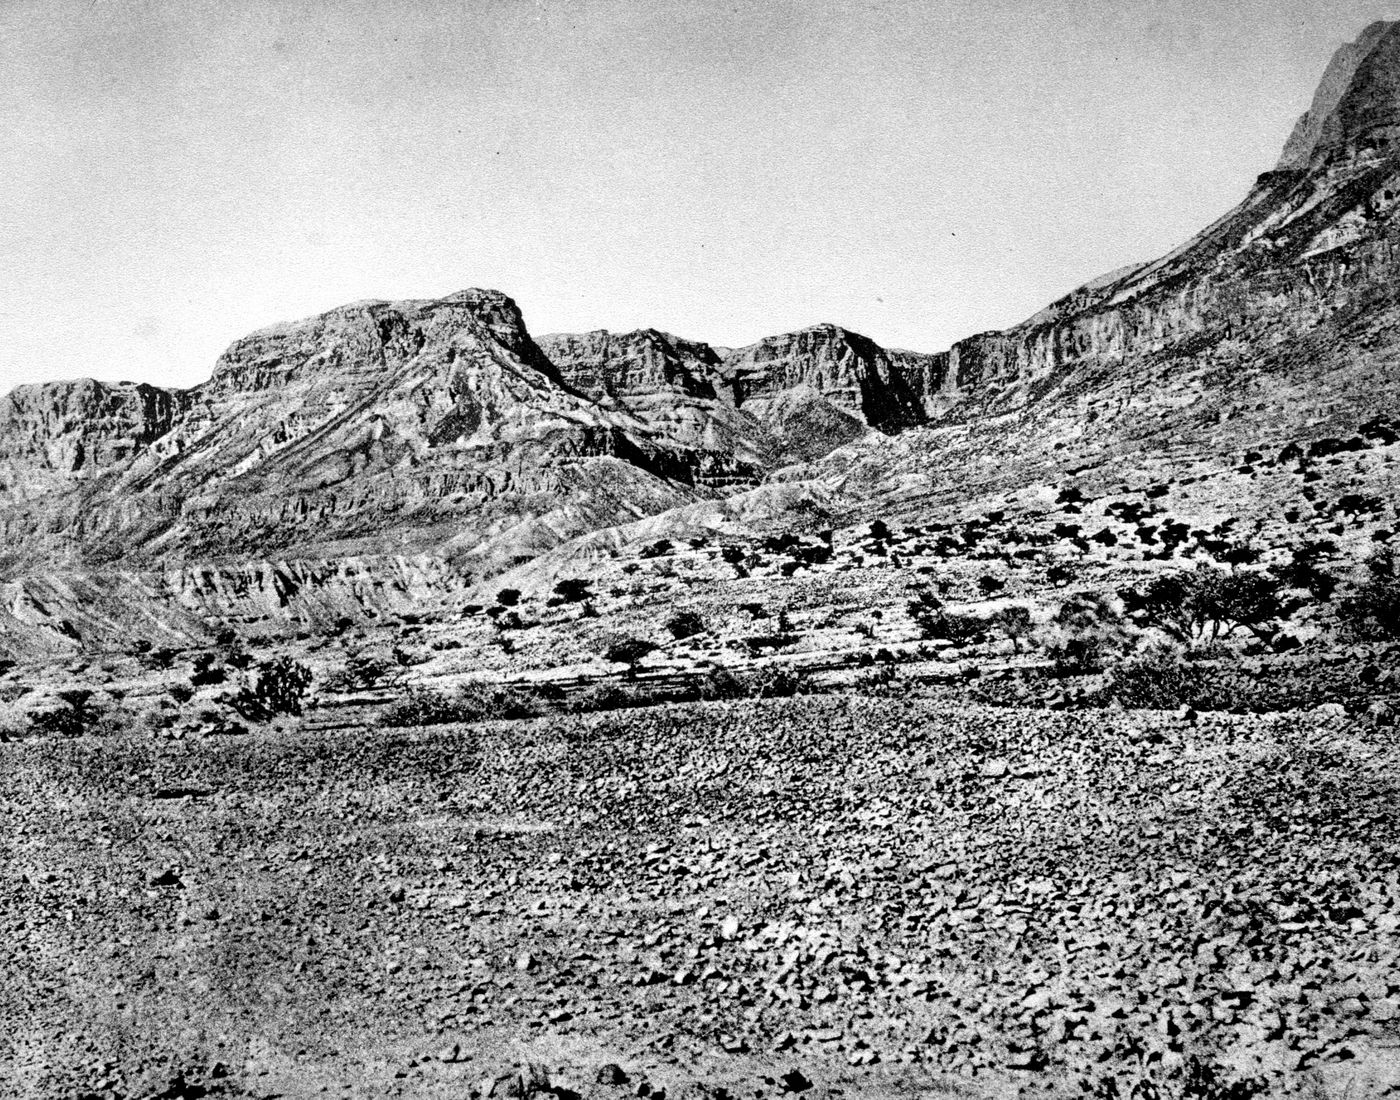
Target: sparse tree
column 1015, row 623
column 1373, row 610
column 685, row 624
column 573, row 590
column 628, row 651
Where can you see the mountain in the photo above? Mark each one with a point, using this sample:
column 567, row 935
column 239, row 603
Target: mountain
column 380, row 455
column 393, row 454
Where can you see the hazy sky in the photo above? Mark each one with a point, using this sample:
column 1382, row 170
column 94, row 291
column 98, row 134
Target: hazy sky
column 180, row 172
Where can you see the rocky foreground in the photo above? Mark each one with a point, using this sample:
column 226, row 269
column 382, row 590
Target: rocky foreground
column 826, row 895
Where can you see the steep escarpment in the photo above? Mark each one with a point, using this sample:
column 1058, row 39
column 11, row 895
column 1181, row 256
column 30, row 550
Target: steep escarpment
column 617, row 366
column 440, row 429
column 57, row 433
column 1317, row 235
column 1357, row 105
column 375, row 427
column 848, row 371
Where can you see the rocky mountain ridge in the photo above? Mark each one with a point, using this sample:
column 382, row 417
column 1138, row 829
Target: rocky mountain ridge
column 384, row 431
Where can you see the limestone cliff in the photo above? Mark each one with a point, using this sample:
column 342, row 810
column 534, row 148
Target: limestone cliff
column 60, row 432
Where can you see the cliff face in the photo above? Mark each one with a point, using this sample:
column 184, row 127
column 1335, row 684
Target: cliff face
column 609, row 366
column 60, row 432
column 1316, row 235
column 389, row 451
column 372, row 427
column 1356, row 109
column 849, row 371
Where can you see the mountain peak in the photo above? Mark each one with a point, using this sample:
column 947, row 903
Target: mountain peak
column 1356, row 108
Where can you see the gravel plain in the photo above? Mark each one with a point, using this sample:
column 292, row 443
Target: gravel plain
column 827, row 896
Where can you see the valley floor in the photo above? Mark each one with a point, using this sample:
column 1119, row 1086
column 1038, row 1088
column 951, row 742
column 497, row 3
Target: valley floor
column 832, row 895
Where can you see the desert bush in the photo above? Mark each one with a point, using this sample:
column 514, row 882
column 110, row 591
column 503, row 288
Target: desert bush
column 764, row 683
column 422, row 706
column 573, row 590
column 1209, row 604
column 934, row 622
column 359, row 674
column 656, row 549
column 604, row 695
column 1015, row 623
column 1303, row 572
column 1197, row 1080
column 276, row 688
column 1087, row 632
column 685, row 624
column 626, row 651
column 757, row 643
column 777, row 683
column 71, row 715
column 1373, row 609
column 1156, row 678
column 206, row 671
column 508, row 597
column 181, row 692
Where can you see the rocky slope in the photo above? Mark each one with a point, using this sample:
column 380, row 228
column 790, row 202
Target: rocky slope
column 380, row 432
column 889, row 897
column 384, row 431
column 59, row 432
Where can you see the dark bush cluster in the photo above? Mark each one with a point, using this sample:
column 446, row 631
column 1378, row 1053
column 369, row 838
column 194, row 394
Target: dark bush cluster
column 277, row 687
column 1373, row 610
column 422, row 706
column 1208, row 604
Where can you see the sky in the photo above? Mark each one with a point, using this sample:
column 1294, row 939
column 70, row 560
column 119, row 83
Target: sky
column 178, row 173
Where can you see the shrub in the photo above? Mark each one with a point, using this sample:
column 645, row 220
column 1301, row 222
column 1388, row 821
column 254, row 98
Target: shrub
column 934, row 622
column 1208, row 604
column 181, row 692
column 359, row 674
column 1158, row 678
column 508, row 597
column 685, row 624
column 1373, row 610
column 573, row 590
column 989, row 584
column 71, row 718
column 422, row 706
column 1086, row 633
column 627, row 651
column 1014, row 622
column 206, row 671
column 1302, row 571
column 604, row 695
column 278, row 687
column 756, row 643
column 763, row 683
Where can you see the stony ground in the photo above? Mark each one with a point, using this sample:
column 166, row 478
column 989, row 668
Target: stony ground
column 830, row 895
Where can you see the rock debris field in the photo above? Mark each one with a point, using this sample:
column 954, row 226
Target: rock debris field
column 826, row 896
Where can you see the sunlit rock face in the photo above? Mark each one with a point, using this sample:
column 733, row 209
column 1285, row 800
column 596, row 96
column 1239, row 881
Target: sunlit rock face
column 60, row 432
column 398, row 451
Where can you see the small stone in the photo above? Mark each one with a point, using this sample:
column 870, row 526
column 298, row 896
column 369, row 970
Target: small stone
column 610, row 1073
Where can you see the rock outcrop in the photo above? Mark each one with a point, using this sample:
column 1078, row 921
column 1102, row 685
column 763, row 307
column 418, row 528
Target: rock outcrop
column 397, row 431
column 60, row 432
